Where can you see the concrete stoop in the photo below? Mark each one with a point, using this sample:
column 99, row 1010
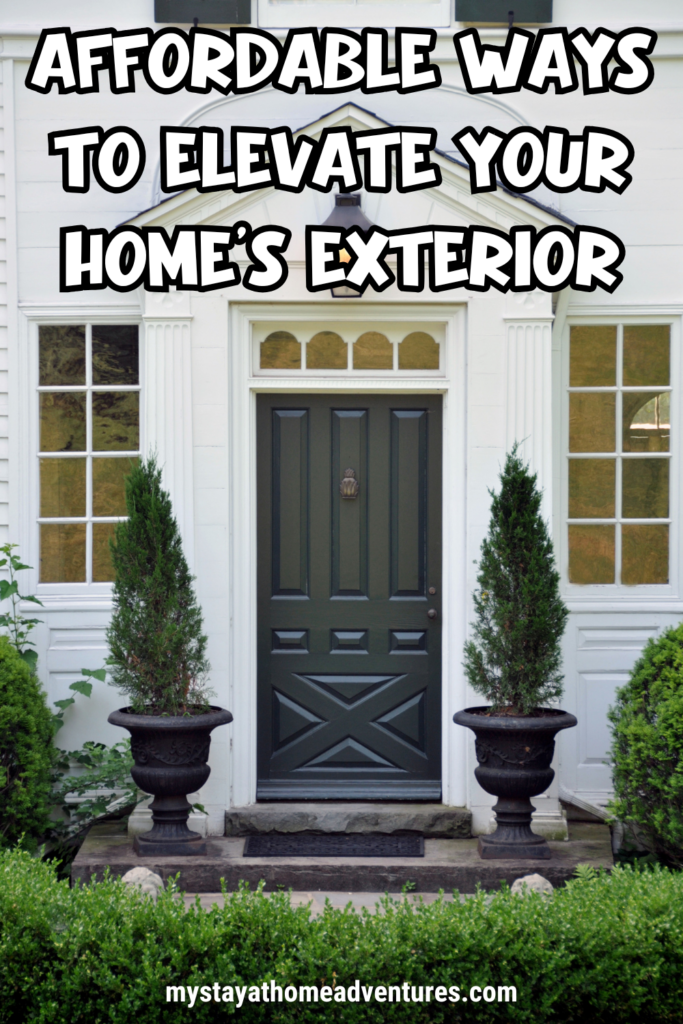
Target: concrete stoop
column 433, row 821
column 447, row 864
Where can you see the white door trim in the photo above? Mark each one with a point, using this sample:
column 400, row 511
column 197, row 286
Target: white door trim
column 242, row 388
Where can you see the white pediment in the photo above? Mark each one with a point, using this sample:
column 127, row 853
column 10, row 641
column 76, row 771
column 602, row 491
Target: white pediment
column 450, row 203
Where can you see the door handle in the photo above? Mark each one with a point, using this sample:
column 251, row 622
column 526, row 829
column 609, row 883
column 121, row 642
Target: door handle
column 432, row 613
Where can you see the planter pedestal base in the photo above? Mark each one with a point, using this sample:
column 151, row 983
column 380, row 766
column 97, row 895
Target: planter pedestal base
column 163, row 848
column 170, row 836
column 489, row 850
column 513, row 838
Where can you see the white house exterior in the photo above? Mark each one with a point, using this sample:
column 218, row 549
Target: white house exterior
column 613, row 499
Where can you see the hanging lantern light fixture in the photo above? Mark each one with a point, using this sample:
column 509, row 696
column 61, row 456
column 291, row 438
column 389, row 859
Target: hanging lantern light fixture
column 346, row 214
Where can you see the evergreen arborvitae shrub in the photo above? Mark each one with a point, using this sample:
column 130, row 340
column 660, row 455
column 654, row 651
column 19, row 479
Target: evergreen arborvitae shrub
column 156, row 640
column 647, row 747
column 26, row 751
column 514, row 656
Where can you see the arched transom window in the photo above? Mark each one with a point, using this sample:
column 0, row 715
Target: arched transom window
column 366, row 349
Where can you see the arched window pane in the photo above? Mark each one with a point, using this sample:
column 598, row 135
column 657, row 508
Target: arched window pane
column 646, row 421
column 326, row 351
column 280, row 351
column 373, row 351
column 418, row 351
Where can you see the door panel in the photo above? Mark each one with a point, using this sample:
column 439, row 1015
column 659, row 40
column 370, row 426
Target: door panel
column 408, row 502
column 349, row 544
column 349, row 522
column 290, row 502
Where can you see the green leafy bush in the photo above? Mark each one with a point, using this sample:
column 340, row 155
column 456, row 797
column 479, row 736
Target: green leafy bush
column 158, row 648
column 26, row 752
column 607, row 949
column 103, row 784
column 18, row 627
column 99, row 768
column 514, row 656
column 647, row 748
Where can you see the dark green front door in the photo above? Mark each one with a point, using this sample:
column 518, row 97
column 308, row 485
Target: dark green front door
column 349, row 597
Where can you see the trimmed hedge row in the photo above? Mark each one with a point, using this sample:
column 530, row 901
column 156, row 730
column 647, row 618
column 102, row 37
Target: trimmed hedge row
column 608, row 948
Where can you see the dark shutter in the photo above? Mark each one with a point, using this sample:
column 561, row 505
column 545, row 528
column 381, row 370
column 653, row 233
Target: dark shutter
column 525, row 11
column 207, row 12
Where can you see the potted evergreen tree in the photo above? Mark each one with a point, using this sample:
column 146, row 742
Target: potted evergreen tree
column 158, row 658
column 514, row 660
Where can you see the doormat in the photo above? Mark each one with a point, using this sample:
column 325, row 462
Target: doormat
column 299, row 845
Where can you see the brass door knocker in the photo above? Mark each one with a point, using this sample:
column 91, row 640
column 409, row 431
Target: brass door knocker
column 349, row 486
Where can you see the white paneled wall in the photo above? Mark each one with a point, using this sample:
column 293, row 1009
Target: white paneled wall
column 600, row 650
column 6, row 156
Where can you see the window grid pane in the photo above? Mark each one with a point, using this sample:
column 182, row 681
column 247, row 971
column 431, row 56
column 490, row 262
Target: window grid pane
column 89, row 439
column 618, row 483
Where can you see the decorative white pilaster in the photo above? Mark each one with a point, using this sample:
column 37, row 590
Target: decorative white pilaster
column 167, row 402
column 529, row 322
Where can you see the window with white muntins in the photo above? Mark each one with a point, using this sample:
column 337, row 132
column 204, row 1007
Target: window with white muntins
column 619, row 454
column 89, row 439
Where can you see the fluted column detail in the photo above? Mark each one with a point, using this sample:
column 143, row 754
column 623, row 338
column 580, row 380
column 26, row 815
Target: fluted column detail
column 168, row 407
column 529, row 398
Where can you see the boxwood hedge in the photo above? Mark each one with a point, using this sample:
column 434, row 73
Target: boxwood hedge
column 608, row 947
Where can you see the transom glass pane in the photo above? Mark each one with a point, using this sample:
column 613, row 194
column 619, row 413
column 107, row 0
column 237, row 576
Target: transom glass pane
column 326, row 351
column 373, row 351
column 115, row 354
column 418, row 351
column 593, row 356
column 61, row 355
column 280, row 351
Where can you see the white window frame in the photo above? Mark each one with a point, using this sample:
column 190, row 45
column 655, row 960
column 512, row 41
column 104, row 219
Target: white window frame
column 579, row 593
column 273, row 14
column 29, row 531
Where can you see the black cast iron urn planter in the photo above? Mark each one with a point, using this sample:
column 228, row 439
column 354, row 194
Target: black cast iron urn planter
column 514, row 755
column 170, row 754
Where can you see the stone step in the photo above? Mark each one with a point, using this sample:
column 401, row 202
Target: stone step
column 447, row 864
column 434, row 821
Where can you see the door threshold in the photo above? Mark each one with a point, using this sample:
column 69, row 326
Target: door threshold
column 361, row 789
